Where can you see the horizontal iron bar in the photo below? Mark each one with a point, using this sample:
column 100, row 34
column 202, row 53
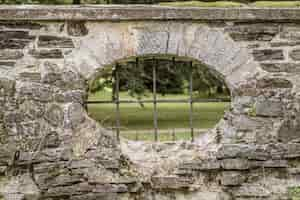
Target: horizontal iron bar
column 161, row 101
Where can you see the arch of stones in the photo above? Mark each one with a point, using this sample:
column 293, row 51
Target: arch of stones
column 50, row 149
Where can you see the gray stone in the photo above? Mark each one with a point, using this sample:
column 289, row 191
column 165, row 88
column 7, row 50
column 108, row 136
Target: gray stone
column 281, row 67
column 202, row 165
column 295, row 54
column 170, row 182
column 54, row 115
column 231, row 178
column 75, row 115
column 269, row 164
column 46, row 54
column 253, row 32
column 30, row 76
column 269, row 108
column 268, row 54
column 10, row 55
column 77, row 28
column 251, row 191
column 48, row 41
column 235, row 164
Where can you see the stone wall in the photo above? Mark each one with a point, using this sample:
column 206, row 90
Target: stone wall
column 51, row 149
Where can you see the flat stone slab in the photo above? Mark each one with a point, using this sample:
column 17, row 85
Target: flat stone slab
column 143, row 12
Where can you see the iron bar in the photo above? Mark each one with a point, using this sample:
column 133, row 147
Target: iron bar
column 155, row 101
column 117, row 101
column 163, row 101
column 191, row 101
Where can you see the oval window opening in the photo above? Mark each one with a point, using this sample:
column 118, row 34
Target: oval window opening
column 158, row 98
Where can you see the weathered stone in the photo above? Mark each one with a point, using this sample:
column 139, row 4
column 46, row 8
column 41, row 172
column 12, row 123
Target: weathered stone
column 21, row 25
column 269, row 164
column 268, row 108
column 270, row 82
column 30, row 76
column 231, row 178
column 284, row 43
column 290, row 32
column 268, row 54
column 235, row 164
column 54, row 115
column 293, row 150
column 46, row 54
column 75, row 115
column 295, row 54
column 76, row 96
column 281, row 67
column 7, row 64
column 251, row 191
column 32, row 109
column 77, row 28
column 52, row 140
column 48, row 41
column 201, row 165
column 10, row 55
column 253, row 32
column 171, row 182
column 289, row 131
column 111, row 188
column 35, row 91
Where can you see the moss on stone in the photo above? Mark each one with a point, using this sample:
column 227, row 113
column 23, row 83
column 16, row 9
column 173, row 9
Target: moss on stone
column 294, row 193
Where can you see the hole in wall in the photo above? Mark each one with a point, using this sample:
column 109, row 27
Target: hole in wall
column 158, row 98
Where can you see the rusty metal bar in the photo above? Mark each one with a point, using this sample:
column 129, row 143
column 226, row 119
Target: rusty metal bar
column 117, row 101
column 191, row 101
column 163, row 101
column 155, row 100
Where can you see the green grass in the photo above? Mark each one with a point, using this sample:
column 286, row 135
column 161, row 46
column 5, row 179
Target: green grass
column 203, row 4
column 230, row 4
column 170, row 115
column 276, row 4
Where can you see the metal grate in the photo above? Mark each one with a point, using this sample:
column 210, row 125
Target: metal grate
column 116, row 99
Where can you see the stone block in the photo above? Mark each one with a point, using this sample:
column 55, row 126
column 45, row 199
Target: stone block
column 251, row 191
column 268, row 54
column 235, row 164
column 46, row 54
column 48, row 41
column 10, row 55
column 54, row 115
column 269, row 108
column 170, row 182
column 76, row 28
column 253, row 32
column 281, row 67
column 202, row 165
column 295, row 54
column 231, row 178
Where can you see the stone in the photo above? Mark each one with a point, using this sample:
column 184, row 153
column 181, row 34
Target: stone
column 272, row 82
column 7, row 64
column 76, row 28
column 46, row 54
column 281, row 67
column 170, row 182
column 10, row 55
column 75, row 115
column 202, row 165
column 290, row 32
column 75, row 96
column 234, row 151
column 54, row 115
column 252, row 32
column 269, row 164
column 268, row 54
column 35, row 91
column 32, row 109
column 30, row 76
column 235, row 164
column 21, row 25
column 248, row 190
column 268, row 108
column 295, row 54
column 231, row 178
column 48, row 41
column 14, row 39
column 289, row 131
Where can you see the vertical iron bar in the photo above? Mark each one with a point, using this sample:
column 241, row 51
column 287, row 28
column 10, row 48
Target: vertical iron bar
column 191, row 101
column 117, row 101
column 155, row 101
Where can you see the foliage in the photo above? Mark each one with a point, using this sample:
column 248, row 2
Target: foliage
column 172, row 77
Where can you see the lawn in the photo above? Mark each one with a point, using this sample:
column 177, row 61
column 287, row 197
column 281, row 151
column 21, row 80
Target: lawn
column 270, row 4
column 135, row 118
